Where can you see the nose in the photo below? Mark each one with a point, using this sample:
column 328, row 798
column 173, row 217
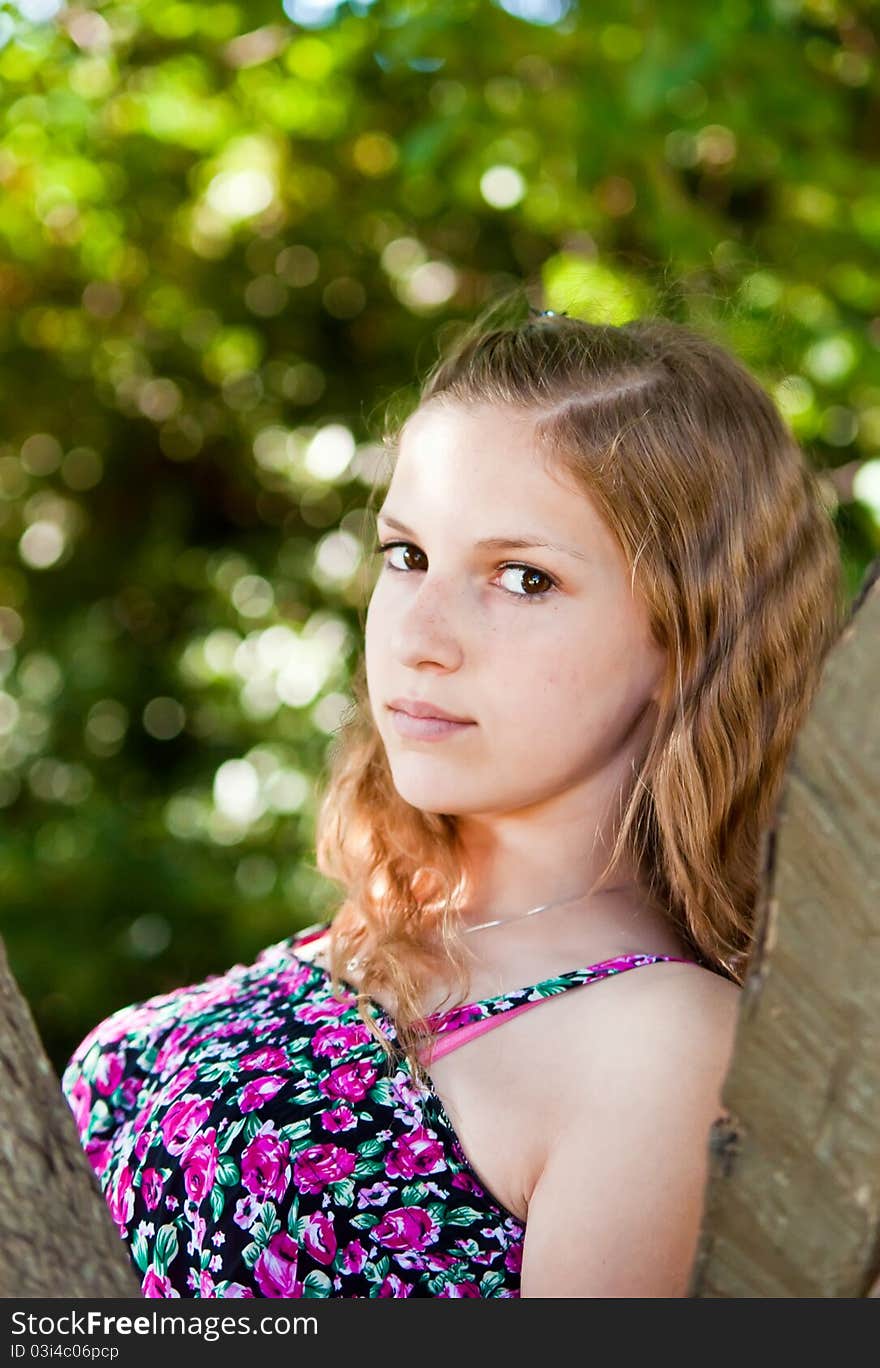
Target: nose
column 428, row 626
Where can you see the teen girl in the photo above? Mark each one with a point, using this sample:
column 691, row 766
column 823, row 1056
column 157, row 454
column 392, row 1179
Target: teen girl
column 607, row 584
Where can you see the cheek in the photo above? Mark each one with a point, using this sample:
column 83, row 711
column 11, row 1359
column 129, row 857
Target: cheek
column 374, row 623
column 375, row 650
column 598, row 667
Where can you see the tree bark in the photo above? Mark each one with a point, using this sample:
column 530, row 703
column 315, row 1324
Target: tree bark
column 793, row 1199
column 57, row 1238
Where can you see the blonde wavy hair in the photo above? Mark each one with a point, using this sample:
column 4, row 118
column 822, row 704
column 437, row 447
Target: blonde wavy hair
column 731, row 547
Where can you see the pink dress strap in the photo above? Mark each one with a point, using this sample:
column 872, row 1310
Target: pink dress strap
column 463, row 1024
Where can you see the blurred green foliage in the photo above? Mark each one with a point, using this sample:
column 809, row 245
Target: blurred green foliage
column 229, row 233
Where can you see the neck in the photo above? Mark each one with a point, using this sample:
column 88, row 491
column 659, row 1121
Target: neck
column 539, row 907
column 545, row 851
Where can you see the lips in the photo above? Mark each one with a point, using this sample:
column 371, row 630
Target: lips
column 420, row 708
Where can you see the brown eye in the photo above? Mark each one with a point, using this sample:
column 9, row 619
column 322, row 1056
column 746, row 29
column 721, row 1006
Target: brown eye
column 527, row 574
column 410, row 553
column 401, row 546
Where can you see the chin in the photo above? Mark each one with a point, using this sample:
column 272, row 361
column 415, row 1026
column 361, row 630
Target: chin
column 449, row 797
column 428, row 793
column 430, row 798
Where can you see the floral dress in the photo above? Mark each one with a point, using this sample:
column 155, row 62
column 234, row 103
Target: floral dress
column 252, row 1139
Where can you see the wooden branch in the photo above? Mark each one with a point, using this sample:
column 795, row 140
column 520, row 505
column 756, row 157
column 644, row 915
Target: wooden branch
column 56, row 1233
column 793, row 1200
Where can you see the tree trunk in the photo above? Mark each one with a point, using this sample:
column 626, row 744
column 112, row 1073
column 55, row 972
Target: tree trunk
column 793, row 1199
column 57, row 1238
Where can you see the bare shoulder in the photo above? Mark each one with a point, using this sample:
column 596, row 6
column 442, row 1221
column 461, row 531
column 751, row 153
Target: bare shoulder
column 627, row 1159
column 663, row 1016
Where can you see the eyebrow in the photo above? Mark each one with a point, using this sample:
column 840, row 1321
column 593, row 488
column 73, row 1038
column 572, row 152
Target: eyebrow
column 517, row 539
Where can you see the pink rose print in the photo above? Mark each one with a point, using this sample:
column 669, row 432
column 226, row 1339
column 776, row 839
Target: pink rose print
column 405, row 1093
column 157, row 1285
column 339, row 1119
column 143, row 1143
column 354, row 1256
column 121, row 1199
column 108, row 1074
column 130, row 1091
column 336, row 1042
column 319, row 1238
column 394, row 1287
column 315, row 1167
column 291, row 979
column 437, row 1262
column 375, row 1195
column 406, row 1228
column 260, row 1091
column 143, row 1116
column 225, row 1085
column 459, row 1016
column 246, row 1209
column 264, row 1168
column 324, row 1011
column 200, row 1165
column 215, row 990
column 151, row 1188
column 420, row 1152
column 267, row 1058
column 275, row 1269
column 407, row 1258
column 350, row 1082
column 178, row 1084
column 182, row 1120
column 198, row 1228
column 80, row 1100
column 99, row 1155
column 172, row 1053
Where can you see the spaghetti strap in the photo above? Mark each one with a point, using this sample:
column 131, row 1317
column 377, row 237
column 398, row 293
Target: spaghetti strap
column 462, row 1024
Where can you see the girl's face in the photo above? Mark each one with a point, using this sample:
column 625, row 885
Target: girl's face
column 506, row 601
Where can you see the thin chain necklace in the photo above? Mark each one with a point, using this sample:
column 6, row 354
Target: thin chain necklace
column 505, row 921
column 521, row 916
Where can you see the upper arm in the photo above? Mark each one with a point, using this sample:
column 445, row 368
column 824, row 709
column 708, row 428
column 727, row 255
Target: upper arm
column 616, row 1210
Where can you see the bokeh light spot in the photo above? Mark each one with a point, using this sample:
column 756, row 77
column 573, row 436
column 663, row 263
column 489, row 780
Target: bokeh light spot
column 329, row 453
column 240, row 194
column 41, row 545
column 82, row 468
column 237, row 792
column 253, row 596
column 544, row 12
column 502, row 186
column 164, row 718
column 40, row 676
column 106, row 725
column 337, row 556
column 149, row 935
column 41, row 453
column 255, row 875
column 866, row 487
